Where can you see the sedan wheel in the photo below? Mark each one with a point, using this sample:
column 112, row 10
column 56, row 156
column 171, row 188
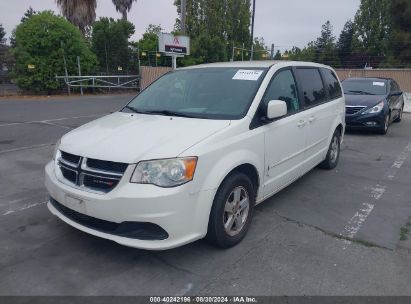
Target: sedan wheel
column 399, row 118
column 384, row 129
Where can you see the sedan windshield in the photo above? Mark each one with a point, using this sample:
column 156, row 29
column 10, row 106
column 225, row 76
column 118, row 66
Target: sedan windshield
column 365, row 86
column 209, row 93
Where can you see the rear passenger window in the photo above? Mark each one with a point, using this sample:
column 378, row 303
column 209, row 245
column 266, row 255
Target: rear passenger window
column 312, row 85
column 332, row 83
column 283, row 87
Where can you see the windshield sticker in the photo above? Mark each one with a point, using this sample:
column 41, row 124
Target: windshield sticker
column 379, row 84
column 252, row 75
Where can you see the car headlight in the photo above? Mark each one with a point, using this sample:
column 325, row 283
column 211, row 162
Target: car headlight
column 56, row 149
column 376, row 109
column 165, row 172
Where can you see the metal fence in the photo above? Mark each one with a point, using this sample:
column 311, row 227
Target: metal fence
column 104, row 82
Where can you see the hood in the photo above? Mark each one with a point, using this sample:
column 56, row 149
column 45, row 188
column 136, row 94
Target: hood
column 129, row 138
column 363, row 100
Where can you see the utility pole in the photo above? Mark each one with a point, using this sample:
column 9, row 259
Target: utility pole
column 65, row 67
column 79, row 73
column 272, row 51
column 183, row 16
column 252, row 32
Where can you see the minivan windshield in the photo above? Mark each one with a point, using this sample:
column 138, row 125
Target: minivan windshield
column 365, row 86
column 208, row 93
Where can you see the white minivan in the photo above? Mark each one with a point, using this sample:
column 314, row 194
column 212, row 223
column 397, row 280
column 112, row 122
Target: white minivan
column 192, row 154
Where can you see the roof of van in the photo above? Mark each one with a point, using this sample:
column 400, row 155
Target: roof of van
column 254, row 64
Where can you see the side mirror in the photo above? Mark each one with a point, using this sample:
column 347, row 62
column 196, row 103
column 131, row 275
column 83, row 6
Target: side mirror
column 276, row 109
column 395, row 93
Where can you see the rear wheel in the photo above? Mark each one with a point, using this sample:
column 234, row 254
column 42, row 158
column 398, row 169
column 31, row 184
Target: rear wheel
column 232, row 211
column 333, row 153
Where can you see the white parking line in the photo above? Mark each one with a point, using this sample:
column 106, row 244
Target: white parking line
column 24, row 208
column 26, row 148
column 48, row 121
column 356, row 222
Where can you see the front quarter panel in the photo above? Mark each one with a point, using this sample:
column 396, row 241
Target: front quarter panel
column 222, row 153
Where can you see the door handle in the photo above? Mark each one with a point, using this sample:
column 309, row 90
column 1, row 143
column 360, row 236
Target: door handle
column 312, row 119
column 301, row 123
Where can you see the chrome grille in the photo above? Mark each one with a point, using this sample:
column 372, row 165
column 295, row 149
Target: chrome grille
column 351, row 110
column 90, row 174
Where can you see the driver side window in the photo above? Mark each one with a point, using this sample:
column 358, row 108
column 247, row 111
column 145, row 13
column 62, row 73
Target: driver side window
column 283, row 87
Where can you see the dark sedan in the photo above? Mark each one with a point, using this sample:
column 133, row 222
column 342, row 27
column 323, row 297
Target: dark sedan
column 372, row 103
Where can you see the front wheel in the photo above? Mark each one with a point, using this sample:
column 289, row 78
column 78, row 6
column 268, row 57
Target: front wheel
column 399, row 118
column 384, row 128
column 333, row 153
column 232, row 211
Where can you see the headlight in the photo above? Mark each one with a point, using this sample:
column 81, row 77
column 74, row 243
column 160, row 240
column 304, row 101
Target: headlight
column 376, row 109
column 56, row 148
column 165, row 172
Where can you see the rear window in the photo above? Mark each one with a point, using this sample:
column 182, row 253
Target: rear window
column 312, row 86
column 332, row 83
column 365, row 86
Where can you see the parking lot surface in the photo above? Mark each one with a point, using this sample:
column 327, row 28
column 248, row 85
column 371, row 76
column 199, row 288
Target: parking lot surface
column 330, row 233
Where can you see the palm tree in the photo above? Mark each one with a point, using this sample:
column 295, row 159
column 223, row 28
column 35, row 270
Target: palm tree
column 81, row 13
column 123, row 6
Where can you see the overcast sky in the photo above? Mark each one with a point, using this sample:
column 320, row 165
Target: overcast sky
column 282, row 22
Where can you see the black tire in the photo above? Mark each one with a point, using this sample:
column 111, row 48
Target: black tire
column 384, row 129
column 217, row 234
column 399, row 118
column 331, row 159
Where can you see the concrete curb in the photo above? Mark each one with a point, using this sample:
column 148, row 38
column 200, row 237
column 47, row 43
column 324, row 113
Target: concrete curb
column 407, row 97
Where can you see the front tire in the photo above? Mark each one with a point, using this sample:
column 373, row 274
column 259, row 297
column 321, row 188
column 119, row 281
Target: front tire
column 232, row 211
column 385, row 127
column 333, row 154
column 399, row 118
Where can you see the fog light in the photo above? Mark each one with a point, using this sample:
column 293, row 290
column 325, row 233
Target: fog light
column 371, row 123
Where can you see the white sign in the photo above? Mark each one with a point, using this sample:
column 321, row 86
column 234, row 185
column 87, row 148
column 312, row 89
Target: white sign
column 170, row 44
column 379, row 84
column 248, row 75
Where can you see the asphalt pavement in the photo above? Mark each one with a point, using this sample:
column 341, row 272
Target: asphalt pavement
column 330, row 233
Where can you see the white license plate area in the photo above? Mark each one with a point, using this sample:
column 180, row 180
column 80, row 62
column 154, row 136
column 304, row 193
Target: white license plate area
column 75, row 204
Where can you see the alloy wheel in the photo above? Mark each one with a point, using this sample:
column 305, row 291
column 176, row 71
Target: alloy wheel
column 236, row 211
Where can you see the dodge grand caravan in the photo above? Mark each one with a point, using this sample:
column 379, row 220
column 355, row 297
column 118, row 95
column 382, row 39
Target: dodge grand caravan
column 192, row 154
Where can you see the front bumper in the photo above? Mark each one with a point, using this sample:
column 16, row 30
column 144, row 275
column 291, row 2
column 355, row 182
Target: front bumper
column 180, row 212
column 366, row 121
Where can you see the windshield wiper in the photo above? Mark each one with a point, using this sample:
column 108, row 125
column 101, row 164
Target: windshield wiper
column 167, row 113
column 134, row 110
column 361, row 92
column 159, row 112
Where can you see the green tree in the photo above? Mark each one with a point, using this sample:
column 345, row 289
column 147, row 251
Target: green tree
column 326, row 47
column 260, row 49
column 28, row 14
column 372, row 28
column 277, row 55
column 344, row 44
column 215, row 27
column 81, row 13
column 123, row 6
column 110, row 42
column 400, row 42
column 2, row 34
column 41, row 42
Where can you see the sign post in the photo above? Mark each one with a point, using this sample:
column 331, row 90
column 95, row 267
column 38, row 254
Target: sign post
column 174, row 46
